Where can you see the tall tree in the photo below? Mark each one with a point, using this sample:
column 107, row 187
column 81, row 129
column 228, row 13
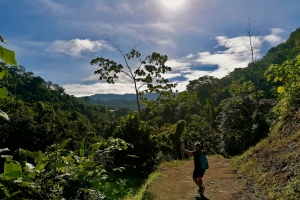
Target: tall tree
column 146, row 75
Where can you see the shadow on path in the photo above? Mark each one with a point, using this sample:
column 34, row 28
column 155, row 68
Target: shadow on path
column 201, row 198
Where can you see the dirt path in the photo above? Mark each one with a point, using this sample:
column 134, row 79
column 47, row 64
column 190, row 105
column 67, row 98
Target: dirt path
column 220, row 181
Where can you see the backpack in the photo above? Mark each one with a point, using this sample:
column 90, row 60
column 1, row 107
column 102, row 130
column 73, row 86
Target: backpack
column 204, row 162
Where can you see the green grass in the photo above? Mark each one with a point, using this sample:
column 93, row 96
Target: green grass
column 141, row 192
column 173, row 163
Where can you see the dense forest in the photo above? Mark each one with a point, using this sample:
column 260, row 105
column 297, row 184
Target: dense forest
column 53, row 144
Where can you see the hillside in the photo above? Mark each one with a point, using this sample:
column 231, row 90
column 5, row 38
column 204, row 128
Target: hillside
column 272, row 165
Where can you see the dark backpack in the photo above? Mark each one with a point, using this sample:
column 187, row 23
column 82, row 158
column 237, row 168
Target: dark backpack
column 204, row 162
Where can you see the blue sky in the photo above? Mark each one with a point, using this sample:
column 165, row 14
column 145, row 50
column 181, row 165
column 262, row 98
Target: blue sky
column 57, row 39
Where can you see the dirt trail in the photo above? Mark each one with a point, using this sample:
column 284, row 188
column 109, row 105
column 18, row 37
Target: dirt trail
column 220, row 181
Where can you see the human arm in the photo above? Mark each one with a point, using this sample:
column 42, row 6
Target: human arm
column 186, row 151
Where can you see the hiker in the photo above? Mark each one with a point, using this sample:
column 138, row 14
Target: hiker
column 198, row 171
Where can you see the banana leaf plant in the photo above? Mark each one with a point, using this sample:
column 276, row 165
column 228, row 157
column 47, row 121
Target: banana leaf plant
column 60, row 173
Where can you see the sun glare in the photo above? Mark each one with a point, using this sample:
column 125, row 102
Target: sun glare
column 172, row 3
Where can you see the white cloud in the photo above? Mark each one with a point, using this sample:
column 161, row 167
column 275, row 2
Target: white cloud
column 75, row 47
column 177, row 64
column 181, row 86
column 237, row 53
column 190, row 56
column 80, row 90
column 274, row 38
column 164, row 42
column 171, row 75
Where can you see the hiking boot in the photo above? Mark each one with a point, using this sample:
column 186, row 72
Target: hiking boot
column 202, row 190
column 199, row 191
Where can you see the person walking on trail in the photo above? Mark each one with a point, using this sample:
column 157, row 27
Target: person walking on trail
column 198, row 171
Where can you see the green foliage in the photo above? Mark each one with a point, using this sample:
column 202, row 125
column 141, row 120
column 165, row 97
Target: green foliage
column 237, row 89
column 138, row 133
column 8, row 57
column 206, row 87
column 288, row 75
column 176, row 139
column 62, row 174
column 243, row 122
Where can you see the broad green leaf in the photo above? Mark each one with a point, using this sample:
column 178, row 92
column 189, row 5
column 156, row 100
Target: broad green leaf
column 30, row 175
column 4, row 93
column 1, row 74
column 27, row 169
column 8, row 56
column 90, row 164
column 63, row 144
column 58, row 164
column 41, row 166
column 6, row 192
column 38, row 156
column 82, row 147
column 95, row 147
column 12, row 170
column 280, row 89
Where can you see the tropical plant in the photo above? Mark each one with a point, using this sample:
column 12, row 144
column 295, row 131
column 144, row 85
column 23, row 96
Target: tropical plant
column 138, row 133
column 288, row 75
column 62, row 174
column 8, row 57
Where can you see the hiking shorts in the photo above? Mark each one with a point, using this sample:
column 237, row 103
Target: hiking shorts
column 198, row 173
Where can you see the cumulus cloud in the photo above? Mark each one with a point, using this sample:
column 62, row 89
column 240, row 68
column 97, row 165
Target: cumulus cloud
column 190, row 56
column 237, row 53
column 177, row 64
column 274, row 38
column 75, row 47
column 80, row 90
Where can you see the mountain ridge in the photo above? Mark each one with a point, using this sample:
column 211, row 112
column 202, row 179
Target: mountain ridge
column 108, row 97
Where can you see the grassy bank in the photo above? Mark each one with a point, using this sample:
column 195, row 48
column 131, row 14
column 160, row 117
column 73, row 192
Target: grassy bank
column 141, row 192
column 273, row 165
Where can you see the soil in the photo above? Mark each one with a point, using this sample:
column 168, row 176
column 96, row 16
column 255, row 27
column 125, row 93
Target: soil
column 220, row 181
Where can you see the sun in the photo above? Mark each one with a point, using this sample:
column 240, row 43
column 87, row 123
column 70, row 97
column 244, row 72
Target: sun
column 172, row 3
